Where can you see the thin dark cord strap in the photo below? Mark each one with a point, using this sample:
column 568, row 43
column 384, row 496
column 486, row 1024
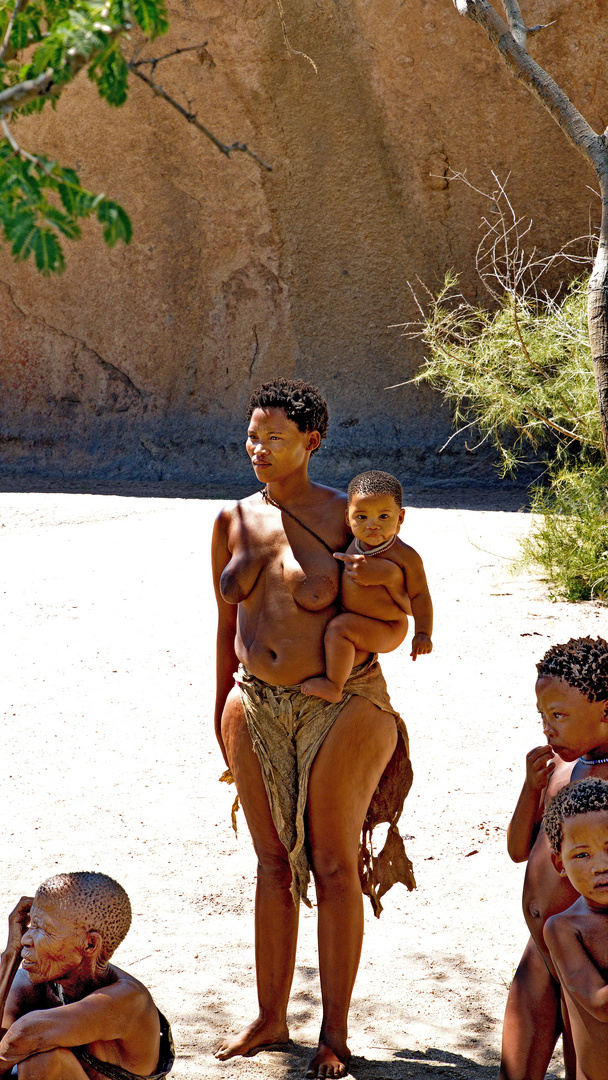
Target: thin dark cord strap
column 283, row 509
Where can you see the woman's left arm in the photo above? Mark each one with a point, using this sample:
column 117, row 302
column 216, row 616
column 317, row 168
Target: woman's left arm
column 226, row 658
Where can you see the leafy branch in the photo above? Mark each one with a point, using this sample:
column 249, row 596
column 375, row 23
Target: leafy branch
column 42, row 202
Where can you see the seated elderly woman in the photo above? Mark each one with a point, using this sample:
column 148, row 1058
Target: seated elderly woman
column 68, row 1014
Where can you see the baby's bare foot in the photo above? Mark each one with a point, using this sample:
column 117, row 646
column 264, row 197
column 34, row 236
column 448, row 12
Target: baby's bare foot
column 322, row 688
column 326, row 1064
column 260, row 1033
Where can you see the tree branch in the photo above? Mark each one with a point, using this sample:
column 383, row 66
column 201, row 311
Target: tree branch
column 166, row 56
column 6, row 52
column 592, row 146
column 517, row 25
column 19, row 94
column 192, row 119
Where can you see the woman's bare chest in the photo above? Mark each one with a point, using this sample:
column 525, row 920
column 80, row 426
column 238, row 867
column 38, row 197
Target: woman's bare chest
column 271, row 565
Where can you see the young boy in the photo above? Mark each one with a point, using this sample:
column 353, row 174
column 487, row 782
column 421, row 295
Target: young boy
column 576, row 823
column 374, row 618
column 572, row 696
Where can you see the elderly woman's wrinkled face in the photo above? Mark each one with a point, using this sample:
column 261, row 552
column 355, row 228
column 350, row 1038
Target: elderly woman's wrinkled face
column 276, row 445
column 53, row 944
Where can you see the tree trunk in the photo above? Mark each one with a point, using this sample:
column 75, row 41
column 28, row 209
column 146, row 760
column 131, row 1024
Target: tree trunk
column 510, row 43
column 597, row 313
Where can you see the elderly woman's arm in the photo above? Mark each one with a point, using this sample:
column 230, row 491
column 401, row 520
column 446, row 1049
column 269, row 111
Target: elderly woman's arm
column 226, row 658
column 18, row 922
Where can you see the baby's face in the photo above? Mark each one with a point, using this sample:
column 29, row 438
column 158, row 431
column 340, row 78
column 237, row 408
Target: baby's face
column 572, row 724
column 374, row 519
column 584, row 856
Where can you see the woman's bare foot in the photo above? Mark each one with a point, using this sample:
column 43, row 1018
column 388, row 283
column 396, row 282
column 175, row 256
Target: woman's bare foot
column 322, row 688
column 326, row 1064
column 261, row 1033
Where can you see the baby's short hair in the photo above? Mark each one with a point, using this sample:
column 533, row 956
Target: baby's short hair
column 99, row 903
column 581, row 797
column 375, row 482
column 582, row 663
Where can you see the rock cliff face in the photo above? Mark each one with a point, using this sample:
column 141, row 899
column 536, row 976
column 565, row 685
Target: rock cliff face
column 138, row 362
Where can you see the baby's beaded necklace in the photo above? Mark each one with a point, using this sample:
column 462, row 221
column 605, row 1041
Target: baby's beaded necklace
column 377, row 550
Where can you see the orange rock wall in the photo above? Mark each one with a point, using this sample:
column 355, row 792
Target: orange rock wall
column 138, row 362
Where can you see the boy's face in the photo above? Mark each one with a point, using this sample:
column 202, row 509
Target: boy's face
column 572, row 724
column 584, row 856
column 373, row 519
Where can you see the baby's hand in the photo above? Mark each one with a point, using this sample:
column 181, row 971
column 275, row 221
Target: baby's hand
column 539, row 766
column 357, row 568
column 421, row 644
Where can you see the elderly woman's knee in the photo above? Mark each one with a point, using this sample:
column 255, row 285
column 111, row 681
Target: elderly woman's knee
column 57, row 1064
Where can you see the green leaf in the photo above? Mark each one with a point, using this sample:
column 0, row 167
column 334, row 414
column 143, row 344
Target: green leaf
column 116, row 222
column 110, row 72
column 47, row 252
column 151, row 17
column 63, row 222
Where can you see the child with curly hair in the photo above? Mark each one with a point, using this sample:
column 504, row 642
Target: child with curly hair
column 576, row 823
column 572, row 697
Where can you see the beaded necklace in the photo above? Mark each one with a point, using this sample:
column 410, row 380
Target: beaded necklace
column 377, row 550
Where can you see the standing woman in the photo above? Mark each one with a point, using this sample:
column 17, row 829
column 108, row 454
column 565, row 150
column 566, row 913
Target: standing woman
column 306, row 770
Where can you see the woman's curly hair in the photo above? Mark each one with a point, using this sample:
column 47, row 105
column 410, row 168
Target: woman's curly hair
column 581, row 797
column 582, row 663
column 299, row 400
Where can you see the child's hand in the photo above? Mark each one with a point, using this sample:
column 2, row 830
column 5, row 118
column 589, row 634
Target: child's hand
column 421, row 644
column 539, row 766
column 369, row 571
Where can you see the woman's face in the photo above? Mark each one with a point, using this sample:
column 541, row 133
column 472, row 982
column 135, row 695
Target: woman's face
column 276, row 445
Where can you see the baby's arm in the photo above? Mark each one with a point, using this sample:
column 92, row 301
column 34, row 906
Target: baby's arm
column 575, row 967
column 528, row 813
column 420, row 599
column 377, row 571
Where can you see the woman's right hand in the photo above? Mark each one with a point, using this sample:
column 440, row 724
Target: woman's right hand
column 18, row 923
column 539, row 766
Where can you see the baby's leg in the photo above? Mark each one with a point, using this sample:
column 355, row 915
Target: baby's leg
column 533, row 1019
column 344, row 636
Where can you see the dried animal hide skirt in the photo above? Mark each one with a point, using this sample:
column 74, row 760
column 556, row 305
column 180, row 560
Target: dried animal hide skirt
column 287, row 728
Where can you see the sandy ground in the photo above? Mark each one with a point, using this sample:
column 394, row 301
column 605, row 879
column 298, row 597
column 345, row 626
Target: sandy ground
column 109, row 762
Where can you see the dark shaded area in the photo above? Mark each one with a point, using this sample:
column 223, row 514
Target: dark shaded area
column 475, row 496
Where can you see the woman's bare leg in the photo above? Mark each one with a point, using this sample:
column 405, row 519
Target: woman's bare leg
column 276, row 915
column 344, row 776
column 533, row 1019
column 344, row 635
column 51, row 1065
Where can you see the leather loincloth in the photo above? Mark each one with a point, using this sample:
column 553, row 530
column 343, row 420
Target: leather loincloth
column 287, row 728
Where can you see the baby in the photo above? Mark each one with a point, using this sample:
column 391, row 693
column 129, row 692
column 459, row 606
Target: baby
column 576, row 822
column 572, row 698
column 374, row 618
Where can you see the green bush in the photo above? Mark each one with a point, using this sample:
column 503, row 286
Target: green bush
column 522, row 376
column 570, row 540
